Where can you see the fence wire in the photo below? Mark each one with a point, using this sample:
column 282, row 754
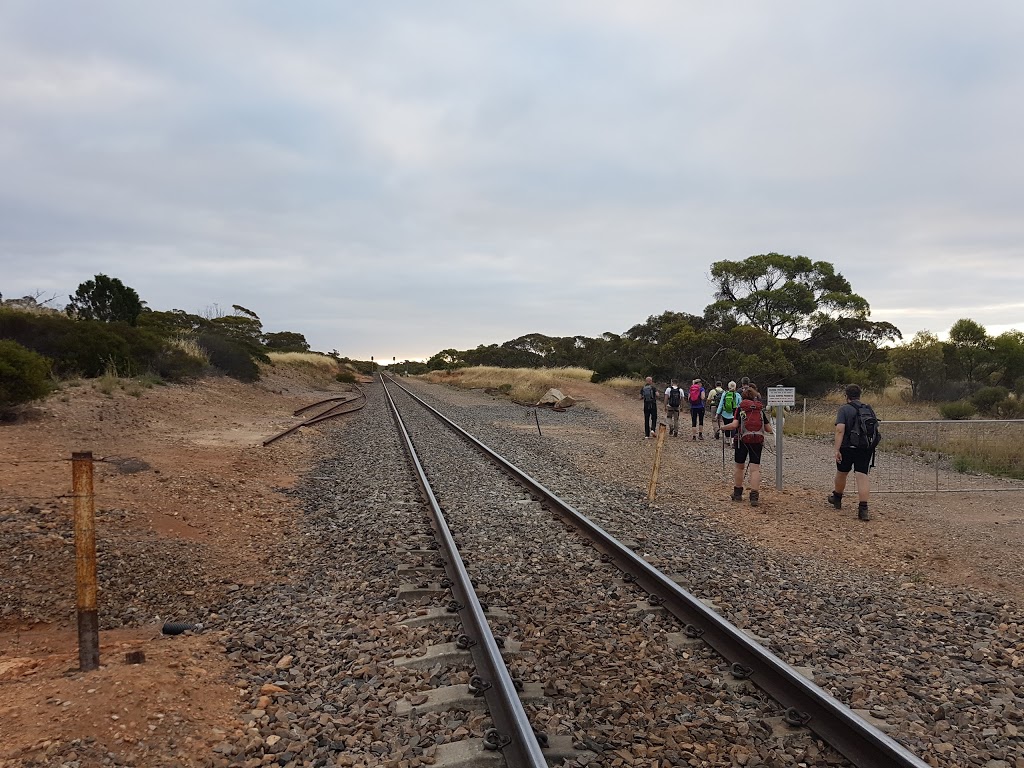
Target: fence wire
column 950, row 456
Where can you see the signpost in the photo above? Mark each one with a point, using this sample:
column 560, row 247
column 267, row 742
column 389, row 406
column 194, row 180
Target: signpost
column 779, row 397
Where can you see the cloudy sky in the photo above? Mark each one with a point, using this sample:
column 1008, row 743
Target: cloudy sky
column 391, row 179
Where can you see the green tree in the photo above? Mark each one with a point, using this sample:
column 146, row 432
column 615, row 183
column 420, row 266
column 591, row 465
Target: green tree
column 785, row 296
column 1008, row 356
column 107, row 299
column 285, row 341
column 920, row 361
column 24, row 375
column 970, row 357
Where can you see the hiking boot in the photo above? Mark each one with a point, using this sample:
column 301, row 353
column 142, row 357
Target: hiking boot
column 862, row 512
column 717, row 434
column 835, row 499
column 700, row 436
column 737, row 494
column 694, row 438
column 755, row 498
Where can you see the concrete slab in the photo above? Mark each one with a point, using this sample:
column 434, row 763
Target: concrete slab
column 442, row 616
column 459, row 697
column 416, row 592
column 448, row 653
column 470, row 753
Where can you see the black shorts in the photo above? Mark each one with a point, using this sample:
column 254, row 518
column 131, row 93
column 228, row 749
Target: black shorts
column 857, row 459
column 751, row 450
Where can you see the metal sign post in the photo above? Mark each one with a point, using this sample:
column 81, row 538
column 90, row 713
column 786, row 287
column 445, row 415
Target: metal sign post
column 779, row 397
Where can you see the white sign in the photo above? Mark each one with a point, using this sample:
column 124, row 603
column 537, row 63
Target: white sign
column 781, row 396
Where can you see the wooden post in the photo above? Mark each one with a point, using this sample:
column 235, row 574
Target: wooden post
column 652, row 489
column 85, row 561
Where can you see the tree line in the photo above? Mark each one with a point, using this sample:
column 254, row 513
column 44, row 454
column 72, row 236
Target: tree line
column 107, row 328
column 781, row 320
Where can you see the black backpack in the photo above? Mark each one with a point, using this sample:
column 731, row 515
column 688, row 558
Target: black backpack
column 864, row 432
column 675, row 396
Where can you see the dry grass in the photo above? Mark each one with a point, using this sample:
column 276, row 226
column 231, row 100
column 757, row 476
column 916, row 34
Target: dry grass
column 315, row 359
column 523, row 384
column 628, row 384
column 190, row 347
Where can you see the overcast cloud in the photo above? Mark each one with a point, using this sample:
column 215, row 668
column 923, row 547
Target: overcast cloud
column 391, row 179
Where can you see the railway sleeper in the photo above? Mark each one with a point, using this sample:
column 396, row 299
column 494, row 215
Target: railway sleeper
column 444, row 616
column 461, row 697
column 450, row 654
column 472, row 753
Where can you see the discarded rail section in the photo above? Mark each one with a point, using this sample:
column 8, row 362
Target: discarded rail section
column 805, row 703
column 343, row 404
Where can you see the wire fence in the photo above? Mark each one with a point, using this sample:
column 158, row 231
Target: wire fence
column 950, row 456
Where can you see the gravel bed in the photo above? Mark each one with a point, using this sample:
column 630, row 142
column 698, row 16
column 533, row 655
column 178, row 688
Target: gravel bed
column 943, row 667
column 613, row 681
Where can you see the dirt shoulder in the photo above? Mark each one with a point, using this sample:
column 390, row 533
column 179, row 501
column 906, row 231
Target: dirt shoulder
column 189, row 508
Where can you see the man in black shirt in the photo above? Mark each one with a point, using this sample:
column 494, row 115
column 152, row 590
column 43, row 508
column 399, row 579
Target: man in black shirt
column 848, row 456
column 650, row 396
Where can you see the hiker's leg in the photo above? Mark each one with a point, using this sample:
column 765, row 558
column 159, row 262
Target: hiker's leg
column 840, row 485
column 863, row 486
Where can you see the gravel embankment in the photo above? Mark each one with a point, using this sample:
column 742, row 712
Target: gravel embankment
column 943, row 667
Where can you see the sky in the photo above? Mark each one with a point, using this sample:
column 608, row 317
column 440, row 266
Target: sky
column 393, row 179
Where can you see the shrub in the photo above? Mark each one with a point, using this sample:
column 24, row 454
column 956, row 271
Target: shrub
column 1009, row 408
column 987, row 399
column 176, row 364
column 345, row 377
column 229, row 357
column 960, row 409
column 24, row 375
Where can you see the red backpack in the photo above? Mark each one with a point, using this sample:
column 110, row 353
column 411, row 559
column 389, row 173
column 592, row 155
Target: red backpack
column 751, row 422
column 695, row 394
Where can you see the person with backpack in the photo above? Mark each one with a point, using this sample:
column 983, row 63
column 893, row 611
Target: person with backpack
column 650, row 398
column 751, row 427
column 726, row 411
column 713, row 396
column 696, row 399
column 673, row 399
column 857, row 436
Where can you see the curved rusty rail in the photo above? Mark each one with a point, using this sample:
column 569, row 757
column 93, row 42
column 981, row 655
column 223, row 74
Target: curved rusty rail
column 359, row 401
column 806, row 703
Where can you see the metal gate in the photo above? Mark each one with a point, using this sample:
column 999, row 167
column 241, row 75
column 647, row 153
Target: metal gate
column 947, row 456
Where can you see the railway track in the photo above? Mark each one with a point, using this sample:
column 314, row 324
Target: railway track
column 647, row 608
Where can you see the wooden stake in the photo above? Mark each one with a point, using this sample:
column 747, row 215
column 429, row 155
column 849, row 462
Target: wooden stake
column 652, row 489
column 85, row 561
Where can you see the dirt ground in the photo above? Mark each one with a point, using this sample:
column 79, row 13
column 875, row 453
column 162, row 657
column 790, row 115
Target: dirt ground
column 188, row 499
column 189, row 506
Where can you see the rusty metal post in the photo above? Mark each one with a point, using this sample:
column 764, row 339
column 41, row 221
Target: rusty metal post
column 85, row 561
column 537, row 419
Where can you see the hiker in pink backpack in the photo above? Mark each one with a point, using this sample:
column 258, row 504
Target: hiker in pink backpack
column 695, row 397
column 751, row 426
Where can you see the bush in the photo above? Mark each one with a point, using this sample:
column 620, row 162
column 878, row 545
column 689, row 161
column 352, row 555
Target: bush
column 24, row 375
column 1009, row 408
column 960, row 409
column 345, row 377
column 229, row 357
column 176, row 364
column 987, row 399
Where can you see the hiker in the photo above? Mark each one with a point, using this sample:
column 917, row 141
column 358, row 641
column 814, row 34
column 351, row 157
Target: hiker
column 713, row 396
column 673, row 399
column 751, row 427
column 726, row 411
column 650, row 398
column 857, row 436
column 696, row 399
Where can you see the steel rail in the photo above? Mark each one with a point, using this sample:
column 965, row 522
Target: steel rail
column 806, row 704
column 517, row 740
column 343, row 398
column 337, row 410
